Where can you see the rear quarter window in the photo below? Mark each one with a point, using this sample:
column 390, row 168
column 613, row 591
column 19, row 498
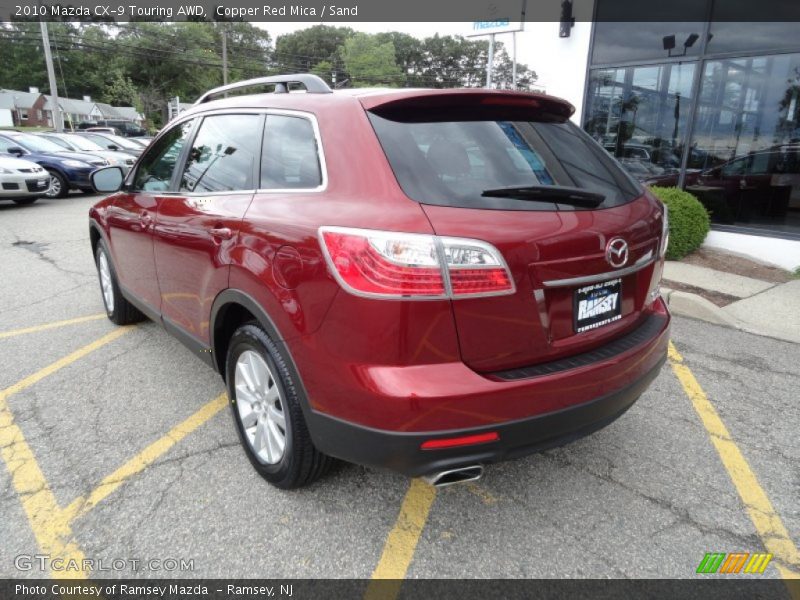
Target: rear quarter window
column 451, row 163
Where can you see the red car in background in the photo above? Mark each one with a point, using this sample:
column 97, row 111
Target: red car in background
column 759, row 187
column 423, row 280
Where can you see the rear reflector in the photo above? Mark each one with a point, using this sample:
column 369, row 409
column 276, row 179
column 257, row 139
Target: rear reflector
column 389, row 264
column 467, row 440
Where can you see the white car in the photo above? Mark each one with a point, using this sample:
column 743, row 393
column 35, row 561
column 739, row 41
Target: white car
column 22, row 181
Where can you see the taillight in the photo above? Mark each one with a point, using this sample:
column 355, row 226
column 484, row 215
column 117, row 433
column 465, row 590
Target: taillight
column 475, row 268
column 387, row 264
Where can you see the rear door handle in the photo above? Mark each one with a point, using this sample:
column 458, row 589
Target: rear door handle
column 145, row 219
column 222, row 233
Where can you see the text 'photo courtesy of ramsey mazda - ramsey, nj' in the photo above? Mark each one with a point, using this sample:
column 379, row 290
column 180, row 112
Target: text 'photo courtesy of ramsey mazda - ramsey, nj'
column 428, row 281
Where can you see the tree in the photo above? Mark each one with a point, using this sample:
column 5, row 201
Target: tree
column 120, row 91
column 300, row 51
column 323, row 69
column 369, row 62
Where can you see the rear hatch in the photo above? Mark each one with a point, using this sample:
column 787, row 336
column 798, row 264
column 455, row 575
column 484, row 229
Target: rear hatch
column 580, row 237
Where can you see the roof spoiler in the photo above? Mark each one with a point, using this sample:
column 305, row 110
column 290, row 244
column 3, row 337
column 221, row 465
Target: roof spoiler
column 312, row 83
column 467, row 104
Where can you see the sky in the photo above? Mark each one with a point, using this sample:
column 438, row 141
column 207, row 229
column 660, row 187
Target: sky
column 418, row 30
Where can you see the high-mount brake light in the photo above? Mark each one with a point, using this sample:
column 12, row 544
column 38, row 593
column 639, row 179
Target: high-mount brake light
column 388, row 264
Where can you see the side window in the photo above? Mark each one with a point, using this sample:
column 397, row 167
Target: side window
column 158, row 163
column 223, row 155
column 289, row 159
column 735, row 167
column 759, row 165
column 5, row 144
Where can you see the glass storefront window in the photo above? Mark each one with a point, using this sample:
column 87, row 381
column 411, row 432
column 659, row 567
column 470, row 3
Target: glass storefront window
column 628, row 42
column 621, row 37
column 640, row 114
column 744, row 160
column 752, row 37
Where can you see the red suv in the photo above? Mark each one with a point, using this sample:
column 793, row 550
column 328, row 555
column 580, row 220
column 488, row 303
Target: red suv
column 423, row 280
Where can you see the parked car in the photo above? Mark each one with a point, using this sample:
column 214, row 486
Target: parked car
column 758, row 186
column 143, row 141
column 111, row 130
column 79, row 143
column 126, row 128
column 420, row 280
column 22, row 181
column 112, row 142
column 68, row 170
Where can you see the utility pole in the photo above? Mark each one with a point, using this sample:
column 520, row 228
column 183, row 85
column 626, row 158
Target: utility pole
column 514, row 59
column 224, row 57
column 51, row 75
column 489, row 61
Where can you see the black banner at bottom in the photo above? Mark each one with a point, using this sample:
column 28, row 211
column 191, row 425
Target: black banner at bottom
column 440, row 589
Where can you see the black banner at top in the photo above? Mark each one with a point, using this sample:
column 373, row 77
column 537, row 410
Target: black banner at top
column 467, row 11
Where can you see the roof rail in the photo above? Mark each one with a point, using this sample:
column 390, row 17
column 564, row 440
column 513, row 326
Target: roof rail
column 314, row 85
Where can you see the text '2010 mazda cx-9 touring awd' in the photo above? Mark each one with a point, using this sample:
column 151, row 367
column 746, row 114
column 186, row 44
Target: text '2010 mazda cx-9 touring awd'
column 422, row 280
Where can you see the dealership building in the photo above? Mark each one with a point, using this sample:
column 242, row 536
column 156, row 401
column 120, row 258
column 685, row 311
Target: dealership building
column 705, row 102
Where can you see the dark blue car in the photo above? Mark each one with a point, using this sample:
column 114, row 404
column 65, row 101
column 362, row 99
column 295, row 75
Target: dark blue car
column 68, row 170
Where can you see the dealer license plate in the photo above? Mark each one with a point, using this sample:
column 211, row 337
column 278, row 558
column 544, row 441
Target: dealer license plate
column 597, row 305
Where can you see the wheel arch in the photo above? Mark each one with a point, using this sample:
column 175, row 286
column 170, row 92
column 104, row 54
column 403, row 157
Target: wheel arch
column 97, row 233
column 233, row 308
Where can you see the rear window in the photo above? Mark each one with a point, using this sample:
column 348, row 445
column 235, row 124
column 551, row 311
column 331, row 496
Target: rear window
column 452, row 163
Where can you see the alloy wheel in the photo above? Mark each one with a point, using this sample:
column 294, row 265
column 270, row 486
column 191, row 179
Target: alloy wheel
column 106, row 284
column 260, row 407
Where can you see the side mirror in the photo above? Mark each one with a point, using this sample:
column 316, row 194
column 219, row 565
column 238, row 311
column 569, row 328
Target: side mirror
column 15, row 150
column 107, row 180
column 113, row 147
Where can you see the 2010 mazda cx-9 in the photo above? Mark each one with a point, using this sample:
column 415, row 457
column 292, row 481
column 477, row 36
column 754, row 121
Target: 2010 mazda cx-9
column 423, row 280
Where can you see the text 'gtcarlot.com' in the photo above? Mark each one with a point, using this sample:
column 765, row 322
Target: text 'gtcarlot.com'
column 43, row 562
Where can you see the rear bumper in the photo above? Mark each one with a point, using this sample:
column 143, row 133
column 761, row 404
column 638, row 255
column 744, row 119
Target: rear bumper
column 403, row 452
column 582, row 396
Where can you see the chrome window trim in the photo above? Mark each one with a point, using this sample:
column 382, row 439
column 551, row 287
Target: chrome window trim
column 323, row 165
column 640, row 264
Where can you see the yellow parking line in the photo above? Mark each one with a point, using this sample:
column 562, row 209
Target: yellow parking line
column 53, row 325
column 401, row 542
column 51, row 529
column 768, row 524
column 81, row 506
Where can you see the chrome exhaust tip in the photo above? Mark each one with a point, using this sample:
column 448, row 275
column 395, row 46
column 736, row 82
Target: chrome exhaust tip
column 454, row 476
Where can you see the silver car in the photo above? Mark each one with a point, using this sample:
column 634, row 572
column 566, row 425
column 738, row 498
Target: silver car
column 78, row 143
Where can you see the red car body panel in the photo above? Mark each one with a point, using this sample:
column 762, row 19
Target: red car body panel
column 502, row 332
column 194, row 238
column 392, row 365
column 131, row 217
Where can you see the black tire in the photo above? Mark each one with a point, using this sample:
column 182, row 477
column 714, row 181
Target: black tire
column 59, row 187
column 301, row 463
column 122, row 312
column 23, row 201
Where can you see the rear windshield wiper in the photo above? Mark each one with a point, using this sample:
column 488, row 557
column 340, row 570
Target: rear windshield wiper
column 559, row 194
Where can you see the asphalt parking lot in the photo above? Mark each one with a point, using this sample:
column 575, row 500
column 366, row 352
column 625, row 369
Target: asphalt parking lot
column 118, row 443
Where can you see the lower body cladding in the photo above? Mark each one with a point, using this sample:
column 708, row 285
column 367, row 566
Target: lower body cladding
column 451, row 456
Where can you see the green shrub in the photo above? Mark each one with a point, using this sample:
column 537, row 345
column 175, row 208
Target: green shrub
column 688, row 221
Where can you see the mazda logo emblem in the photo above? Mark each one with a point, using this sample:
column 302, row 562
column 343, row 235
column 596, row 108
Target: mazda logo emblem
column 617, row 252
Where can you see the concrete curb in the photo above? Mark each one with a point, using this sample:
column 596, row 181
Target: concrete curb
column 694, row 306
